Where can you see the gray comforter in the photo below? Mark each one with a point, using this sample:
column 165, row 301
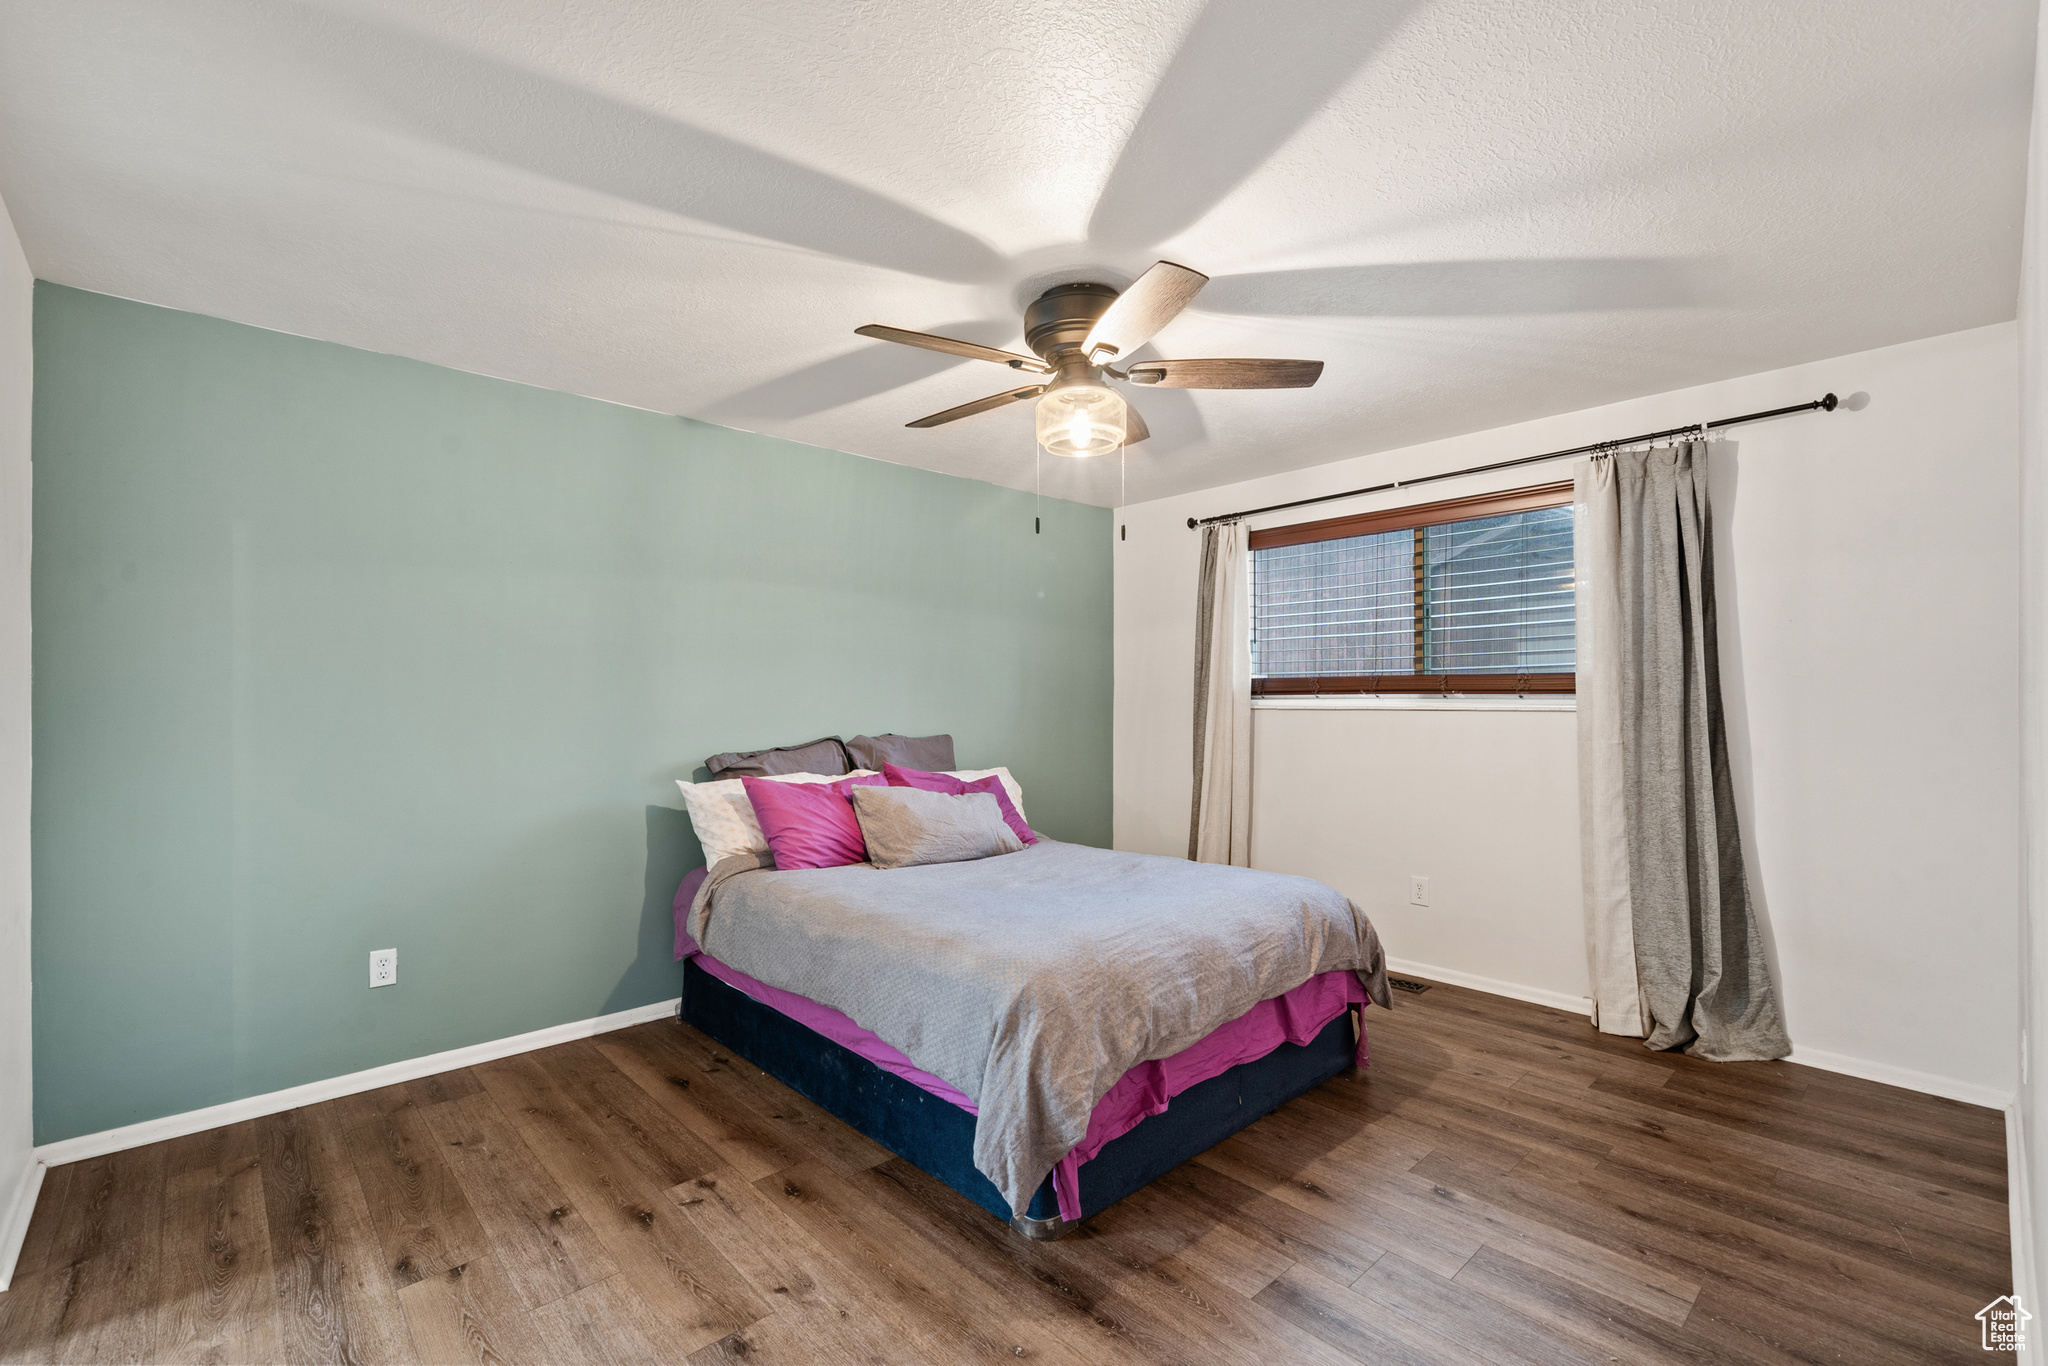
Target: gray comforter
column 1032, row 981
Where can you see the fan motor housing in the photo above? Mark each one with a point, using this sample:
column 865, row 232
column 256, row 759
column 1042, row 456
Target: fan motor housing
column 1061, row 318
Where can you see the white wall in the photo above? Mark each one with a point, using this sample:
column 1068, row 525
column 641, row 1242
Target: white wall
column 18, row 1172
column 1868, row 566
column 1483, row 804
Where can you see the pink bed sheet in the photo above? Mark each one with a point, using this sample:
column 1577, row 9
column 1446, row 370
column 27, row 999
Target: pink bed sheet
column 1292, row 1017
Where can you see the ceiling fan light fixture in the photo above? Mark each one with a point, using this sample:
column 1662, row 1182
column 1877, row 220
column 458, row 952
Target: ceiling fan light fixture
column 1074, row 330
column 1081, row 420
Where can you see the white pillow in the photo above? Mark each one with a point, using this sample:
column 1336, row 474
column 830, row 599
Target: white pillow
column 1010, row 785
column 724, row 818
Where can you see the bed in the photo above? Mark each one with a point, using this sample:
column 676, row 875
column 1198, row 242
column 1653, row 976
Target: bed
column 1044, row 1032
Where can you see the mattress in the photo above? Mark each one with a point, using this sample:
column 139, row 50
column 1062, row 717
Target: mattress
column 1140, row 978
column 938, row 1136
column 1296, row 1017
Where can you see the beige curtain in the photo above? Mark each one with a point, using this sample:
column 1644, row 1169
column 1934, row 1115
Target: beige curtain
column 1220, row 820
column 1603, row 826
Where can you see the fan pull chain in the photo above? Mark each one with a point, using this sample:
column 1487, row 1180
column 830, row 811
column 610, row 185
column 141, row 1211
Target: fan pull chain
column 1037, row 460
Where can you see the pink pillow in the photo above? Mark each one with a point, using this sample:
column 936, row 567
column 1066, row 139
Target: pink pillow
column 946, row 782
column 810, row 825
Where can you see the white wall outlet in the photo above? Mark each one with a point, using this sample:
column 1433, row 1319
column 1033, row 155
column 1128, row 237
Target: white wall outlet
column 1418, row 890
column 383, row 967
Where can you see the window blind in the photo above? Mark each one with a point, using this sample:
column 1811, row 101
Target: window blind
column 1499, row 594
column 1490, row 595
column 1335, row 607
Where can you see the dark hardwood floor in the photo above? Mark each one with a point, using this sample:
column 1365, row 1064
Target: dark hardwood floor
column 1503, row 1186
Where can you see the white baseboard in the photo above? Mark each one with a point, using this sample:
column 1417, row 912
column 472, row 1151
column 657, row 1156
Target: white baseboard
column 1556, row 1000
column 274, row 1102
column 14, row 1216
column 1927, row 1083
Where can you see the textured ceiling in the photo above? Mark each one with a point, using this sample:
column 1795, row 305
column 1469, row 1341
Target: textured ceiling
column 1475, row 212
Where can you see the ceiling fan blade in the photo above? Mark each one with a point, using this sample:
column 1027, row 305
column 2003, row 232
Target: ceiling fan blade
column 1153, row 300
column 980, row 405
column 1227, row 374
column 1135, row 429
column 952, row 347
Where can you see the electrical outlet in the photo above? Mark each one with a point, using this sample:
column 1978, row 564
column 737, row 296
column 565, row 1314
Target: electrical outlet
column 1418, row 890
column 383, row 967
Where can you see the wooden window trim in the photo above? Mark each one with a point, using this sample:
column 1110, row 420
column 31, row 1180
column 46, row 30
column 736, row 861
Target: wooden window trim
column 1404, row 519
column 1417, row 515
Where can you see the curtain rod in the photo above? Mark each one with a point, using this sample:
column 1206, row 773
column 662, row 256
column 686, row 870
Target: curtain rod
column 1826, row 403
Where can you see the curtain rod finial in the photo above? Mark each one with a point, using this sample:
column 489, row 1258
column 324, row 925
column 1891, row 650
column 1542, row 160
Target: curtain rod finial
column 1191, row 524
column 1828, row 402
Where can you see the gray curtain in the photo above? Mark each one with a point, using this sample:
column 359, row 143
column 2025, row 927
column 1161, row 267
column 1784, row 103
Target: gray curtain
column 1672, row 940
column 1220, row 816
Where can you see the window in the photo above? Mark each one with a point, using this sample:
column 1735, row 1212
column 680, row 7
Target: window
column 1469, row 595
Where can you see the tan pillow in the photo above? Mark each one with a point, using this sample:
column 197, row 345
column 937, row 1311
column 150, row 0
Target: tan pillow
column 906, row 826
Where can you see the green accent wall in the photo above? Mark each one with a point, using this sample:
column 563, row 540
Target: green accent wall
column 336, row 651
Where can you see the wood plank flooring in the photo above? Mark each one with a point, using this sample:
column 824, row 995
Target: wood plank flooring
column 1503, row 1186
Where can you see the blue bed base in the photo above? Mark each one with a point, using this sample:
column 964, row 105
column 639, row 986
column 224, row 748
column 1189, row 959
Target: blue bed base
column 938, row 1136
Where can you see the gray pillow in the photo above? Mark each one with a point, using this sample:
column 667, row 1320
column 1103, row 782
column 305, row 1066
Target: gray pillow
column 815, row 756
column 906, row 826
column 932, row 753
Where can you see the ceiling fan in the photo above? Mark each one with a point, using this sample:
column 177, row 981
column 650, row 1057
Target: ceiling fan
column 1078, row 331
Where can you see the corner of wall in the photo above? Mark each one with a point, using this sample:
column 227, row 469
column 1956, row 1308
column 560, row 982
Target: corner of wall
column 20, row 1173
column 2019, row 1199
column 2023, row 1131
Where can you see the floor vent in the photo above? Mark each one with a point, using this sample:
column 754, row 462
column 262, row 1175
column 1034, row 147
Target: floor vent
column 1407, row 984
